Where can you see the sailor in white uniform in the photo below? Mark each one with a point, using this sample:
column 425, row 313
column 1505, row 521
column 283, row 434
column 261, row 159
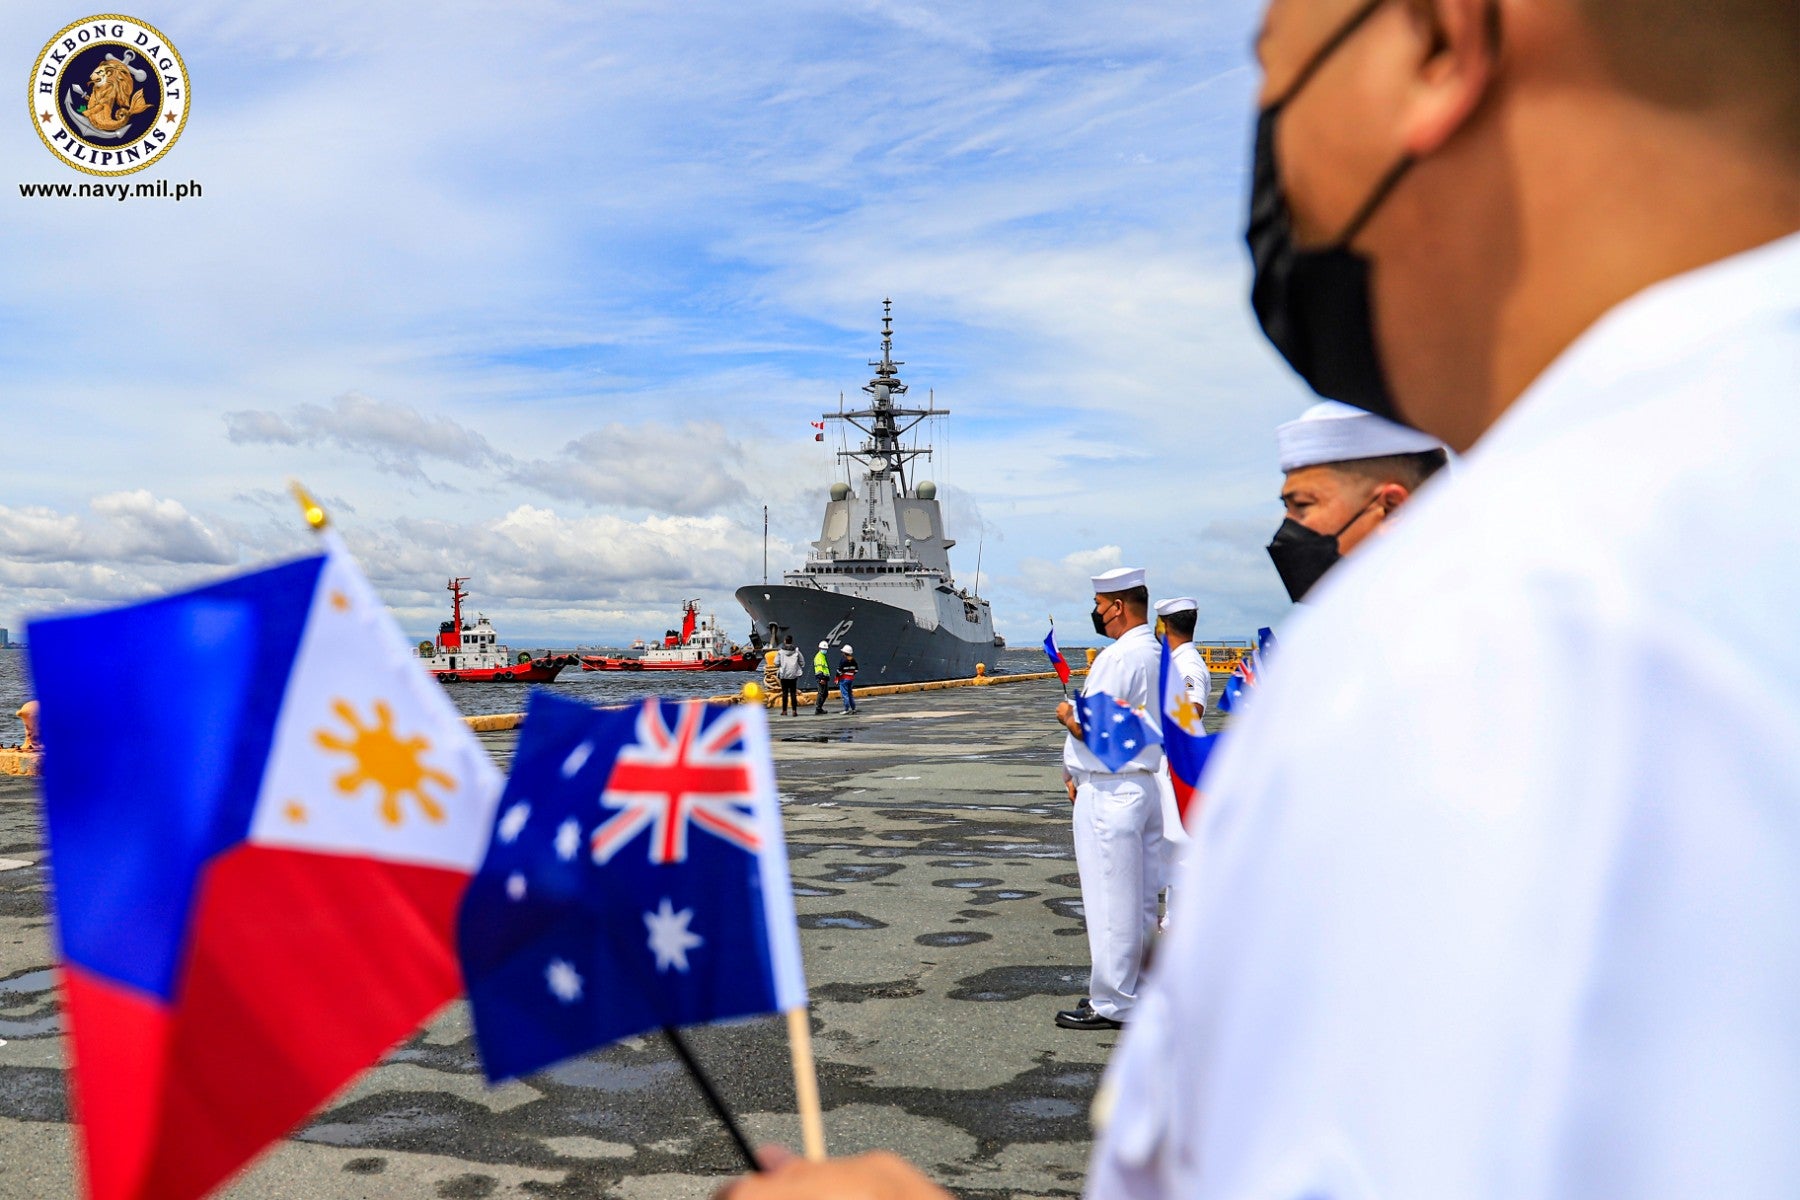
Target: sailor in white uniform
column 1178, row 617
column 1344, row 474
column 1118, row 815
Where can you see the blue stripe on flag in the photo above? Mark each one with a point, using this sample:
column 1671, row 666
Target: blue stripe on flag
column 177, row 729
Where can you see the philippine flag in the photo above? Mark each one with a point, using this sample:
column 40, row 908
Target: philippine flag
column 1185, row 744
column 1057, row 660
column 259, row 840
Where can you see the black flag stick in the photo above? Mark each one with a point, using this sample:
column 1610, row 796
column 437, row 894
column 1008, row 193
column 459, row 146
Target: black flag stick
column 712, row 1096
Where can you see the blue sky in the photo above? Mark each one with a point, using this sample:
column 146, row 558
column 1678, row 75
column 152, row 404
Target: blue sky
column 546, row 295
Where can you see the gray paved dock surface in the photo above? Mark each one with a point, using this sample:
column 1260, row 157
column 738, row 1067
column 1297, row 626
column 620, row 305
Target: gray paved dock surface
column 941, row 923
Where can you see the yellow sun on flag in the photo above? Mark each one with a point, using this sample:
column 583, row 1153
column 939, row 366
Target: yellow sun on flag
column 390, row 762
column 1187, row 715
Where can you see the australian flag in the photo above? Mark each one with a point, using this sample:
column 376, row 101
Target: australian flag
column 1057, row 661
column 1114, row 731
column 1237, row 686
column 636, row 878
column 1265, row 648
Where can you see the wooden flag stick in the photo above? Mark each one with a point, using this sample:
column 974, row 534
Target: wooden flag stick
column 806, row 1083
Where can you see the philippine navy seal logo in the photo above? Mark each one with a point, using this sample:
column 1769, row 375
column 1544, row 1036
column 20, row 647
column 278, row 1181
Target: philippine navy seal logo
column 109, row 95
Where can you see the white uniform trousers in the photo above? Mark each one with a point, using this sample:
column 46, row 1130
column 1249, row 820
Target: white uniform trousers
column 1119, row 856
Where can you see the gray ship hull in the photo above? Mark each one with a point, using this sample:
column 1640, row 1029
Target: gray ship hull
column 891, row 647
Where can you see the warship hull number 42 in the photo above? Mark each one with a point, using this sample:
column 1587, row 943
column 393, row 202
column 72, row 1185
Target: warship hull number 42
column 879, row 576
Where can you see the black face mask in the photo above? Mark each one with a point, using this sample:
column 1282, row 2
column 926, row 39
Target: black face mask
column 1314, row 304
column 1099, row 621
column 1302, row 556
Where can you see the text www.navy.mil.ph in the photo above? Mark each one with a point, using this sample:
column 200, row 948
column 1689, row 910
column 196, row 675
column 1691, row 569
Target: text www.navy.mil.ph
column 157, row 189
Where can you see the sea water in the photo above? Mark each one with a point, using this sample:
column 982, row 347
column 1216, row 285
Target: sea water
column 472, row 699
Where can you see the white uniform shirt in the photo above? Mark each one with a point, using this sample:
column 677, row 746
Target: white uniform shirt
column 1129, row 670
column 1459, row 930
column 1186, row 662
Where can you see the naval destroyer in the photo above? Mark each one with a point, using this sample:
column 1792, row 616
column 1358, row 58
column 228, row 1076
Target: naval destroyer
column 879, row 578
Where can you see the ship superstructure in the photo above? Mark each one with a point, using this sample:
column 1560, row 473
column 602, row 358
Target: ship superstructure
column 879, row 577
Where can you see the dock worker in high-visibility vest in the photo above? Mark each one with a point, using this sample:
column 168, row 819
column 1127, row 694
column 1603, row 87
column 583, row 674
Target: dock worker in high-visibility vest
column 821, row 666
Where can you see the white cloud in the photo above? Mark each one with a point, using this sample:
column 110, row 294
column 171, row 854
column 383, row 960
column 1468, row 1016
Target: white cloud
column 686, row 468
column 126, row 527
column 395, row 436
column 1066, row 582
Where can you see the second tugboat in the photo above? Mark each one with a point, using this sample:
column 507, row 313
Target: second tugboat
column 698, row 646
column 879, row 575
column 466, row 653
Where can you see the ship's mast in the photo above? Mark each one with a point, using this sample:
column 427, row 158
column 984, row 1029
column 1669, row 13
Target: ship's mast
column 457, row 596
column 884, row 422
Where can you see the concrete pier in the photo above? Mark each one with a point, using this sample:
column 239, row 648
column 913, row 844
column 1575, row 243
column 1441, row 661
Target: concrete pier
column 941, row 925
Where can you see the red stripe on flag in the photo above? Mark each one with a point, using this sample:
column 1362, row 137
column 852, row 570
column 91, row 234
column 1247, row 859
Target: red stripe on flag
column 120, row 1052
column 302, row 970
column 1184, row 796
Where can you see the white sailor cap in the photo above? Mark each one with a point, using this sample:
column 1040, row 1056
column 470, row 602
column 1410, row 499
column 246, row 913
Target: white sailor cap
column 1119, row 579
column 1176, row 604
column 1333, row 432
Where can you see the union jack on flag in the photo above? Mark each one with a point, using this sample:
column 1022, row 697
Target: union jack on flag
column 673, row 778
column 565, row 951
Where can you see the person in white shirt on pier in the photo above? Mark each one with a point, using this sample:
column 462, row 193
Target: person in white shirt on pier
column 1118, row 817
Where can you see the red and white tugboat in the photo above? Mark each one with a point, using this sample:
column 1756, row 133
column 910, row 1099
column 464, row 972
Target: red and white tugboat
column 466, row 653
column 697, row 646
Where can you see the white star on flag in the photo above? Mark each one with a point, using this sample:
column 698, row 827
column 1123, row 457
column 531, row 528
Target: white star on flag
column 565, row 983
column 577, row 757
column 670, row 938
column 515, row 886
column 512, row 822
column 568, row 839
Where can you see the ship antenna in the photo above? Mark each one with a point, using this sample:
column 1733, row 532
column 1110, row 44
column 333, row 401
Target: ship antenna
column 979, row 547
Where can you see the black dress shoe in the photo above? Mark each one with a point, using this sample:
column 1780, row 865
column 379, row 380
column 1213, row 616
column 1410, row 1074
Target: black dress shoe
column 1086, row 1019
